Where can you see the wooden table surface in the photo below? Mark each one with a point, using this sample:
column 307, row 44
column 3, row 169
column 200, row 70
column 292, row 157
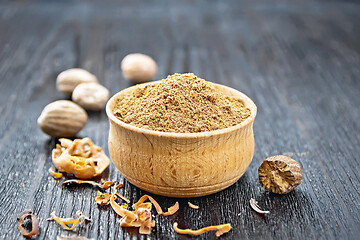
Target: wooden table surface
column 298, row 60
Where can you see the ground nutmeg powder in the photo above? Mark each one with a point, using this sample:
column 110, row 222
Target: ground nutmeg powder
column 181, row 103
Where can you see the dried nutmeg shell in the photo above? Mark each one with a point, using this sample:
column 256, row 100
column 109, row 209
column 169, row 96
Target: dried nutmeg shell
column 28, row 224
column 80, row 157
column 280, row 174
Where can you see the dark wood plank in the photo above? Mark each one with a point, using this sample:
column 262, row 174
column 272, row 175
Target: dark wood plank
column 299, row 62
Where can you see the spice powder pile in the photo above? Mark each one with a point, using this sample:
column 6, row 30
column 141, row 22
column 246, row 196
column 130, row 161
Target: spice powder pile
column 181, row 103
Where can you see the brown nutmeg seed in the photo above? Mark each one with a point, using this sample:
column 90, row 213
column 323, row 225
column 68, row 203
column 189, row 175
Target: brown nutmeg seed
column 280, row 174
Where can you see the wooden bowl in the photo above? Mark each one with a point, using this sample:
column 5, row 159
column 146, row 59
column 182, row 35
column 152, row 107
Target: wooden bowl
column 181, row 164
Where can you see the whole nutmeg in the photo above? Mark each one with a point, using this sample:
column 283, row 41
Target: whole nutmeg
column 62, row 118
column 67, row 80
column 280, row 174
column 138, row 67
column 91, row 96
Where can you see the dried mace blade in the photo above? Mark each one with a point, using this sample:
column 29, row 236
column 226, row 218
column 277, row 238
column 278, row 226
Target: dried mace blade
column 280, row 174
column 33, row 227
column 105, row 186
column 255, row 206
column 171, row 210
column 56, row 175
column 140, row 218
column 220, row 229
column 103, row 198
column 80, row 157
column 193, row 205
column 69, row 223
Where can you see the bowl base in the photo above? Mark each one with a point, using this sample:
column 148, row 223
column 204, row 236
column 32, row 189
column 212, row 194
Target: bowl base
column 182, row 192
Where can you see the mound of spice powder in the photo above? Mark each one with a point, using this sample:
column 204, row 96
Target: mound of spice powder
column 181, row 103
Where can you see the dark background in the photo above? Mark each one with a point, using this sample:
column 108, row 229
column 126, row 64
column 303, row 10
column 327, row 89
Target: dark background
column 298, row 60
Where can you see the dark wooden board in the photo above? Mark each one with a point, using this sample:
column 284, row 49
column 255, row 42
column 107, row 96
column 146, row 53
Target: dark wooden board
column 298, row 60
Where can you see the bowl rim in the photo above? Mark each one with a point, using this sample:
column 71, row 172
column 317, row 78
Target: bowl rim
column 247, row 101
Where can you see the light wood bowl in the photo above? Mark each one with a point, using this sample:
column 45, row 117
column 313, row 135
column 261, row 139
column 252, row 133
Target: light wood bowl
column 181, row 164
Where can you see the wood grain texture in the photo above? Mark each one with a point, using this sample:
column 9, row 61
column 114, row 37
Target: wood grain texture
column 298, row 61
